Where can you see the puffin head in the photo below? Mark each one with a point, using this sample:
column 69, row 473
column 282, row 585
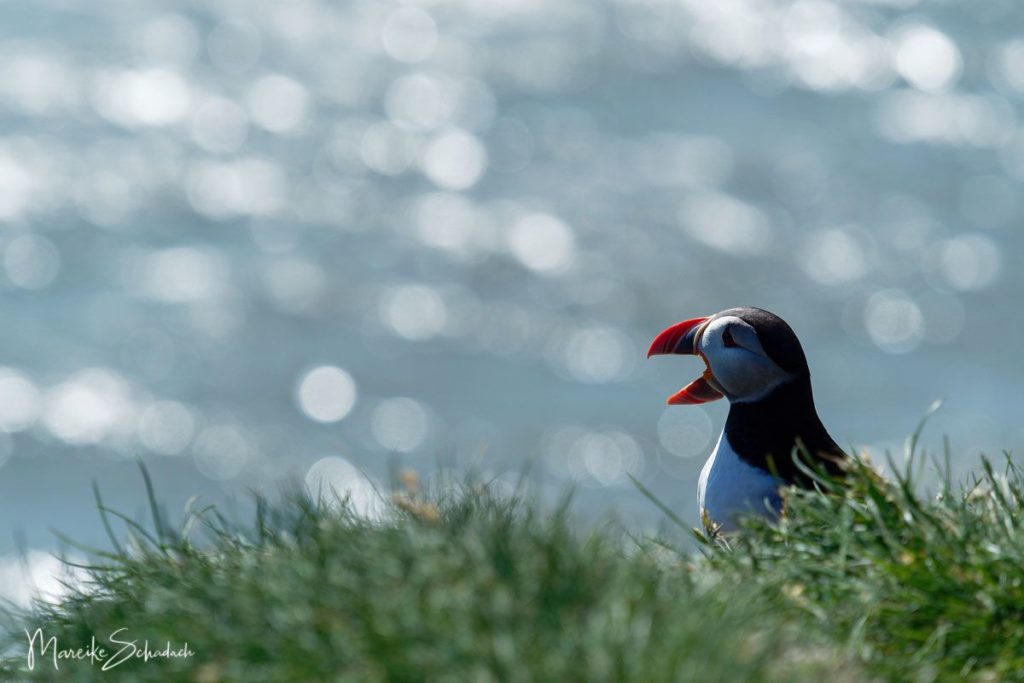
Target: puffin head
column 748, row 352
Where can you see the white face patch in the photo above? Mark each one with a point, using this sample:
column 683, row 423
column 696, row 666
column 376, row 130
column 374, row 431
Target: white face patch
column 743, row 370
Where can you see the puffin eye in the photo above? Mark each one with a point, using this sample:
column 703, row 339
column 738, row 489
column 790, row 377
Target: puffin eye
column 727, row 339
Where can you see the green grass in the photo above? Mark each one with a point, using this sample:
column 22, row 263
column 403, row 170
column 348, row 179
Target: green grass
column 914, row 589
column 870, row 580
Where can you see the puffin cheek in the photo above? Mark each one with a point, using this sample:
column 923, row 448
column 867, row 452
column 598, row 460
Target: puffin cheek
column 742, row 374
column 728, row 373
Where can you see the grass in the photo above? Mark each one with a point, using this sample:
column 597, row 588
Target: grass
column 868, row 580
column 914, row 589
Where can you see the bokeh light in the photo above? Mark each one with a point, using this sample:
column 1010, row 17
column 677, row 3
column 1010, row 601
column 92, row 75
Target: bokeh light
column 834, row 257
column 409, row 35
column 220, row 125
column 684, row 434
column 222, row 451
column 595, row 354
column 387, row 149
column 604, row 458
column 31, row 261
column 455, row 160
column 39, row 575
column 542, row 242
column 166, row 427
column 926, row 57
column 326, row 393
column 92, row 406
column 19, row 401
column 968, row 263
column 180, row 275
column 894, row 321
column 594, row 458
column 416, row 312
column 334, row 480
column 278, row 103
column 726, row 224
column 400, row 424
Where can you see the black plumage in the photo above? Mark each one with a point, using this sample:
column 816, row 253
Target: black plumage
column 764, row 433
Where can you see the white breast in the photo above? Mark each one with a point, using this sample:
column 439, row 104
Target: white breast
column 730, row 487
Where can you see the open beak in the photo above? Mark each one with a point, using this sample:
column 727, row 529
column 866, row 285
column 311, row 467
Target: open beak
column 684, row 338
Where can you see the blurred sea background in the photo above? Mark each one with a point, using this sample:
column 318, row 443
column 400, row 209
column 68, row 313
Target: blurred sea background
column 252, row 241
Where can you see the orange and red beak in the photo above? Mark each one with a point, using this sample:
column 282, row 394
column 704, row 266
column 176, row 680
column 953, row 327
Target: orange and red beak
column 684, row 338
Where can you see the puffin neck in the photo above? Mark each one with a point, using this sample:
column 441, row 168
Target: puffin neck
column 773, row 425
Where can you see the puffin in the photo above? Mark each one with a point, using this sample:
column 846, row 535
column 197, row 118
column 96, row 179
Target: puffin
column 753, row 359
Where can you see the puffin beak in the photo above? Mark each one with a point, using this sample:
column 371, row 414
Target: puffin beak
column 684, row 338
column 680, row 338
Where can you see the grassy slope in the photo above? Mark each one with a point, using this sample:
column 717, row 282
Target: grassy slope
column 871, row 583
